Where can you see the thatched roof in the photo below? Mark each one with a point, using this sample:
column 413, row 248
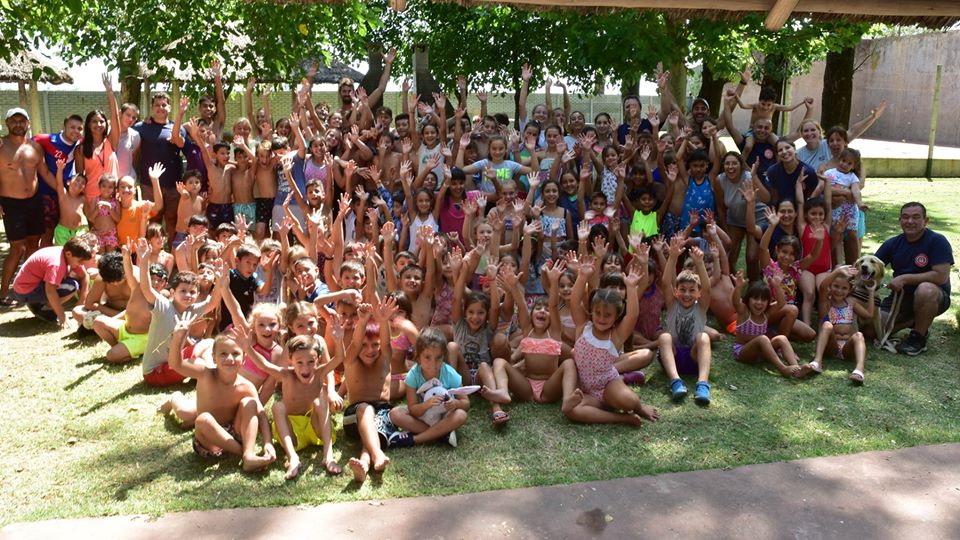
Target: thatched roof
column 24, row 65
column 928, row 13
column 334, row 72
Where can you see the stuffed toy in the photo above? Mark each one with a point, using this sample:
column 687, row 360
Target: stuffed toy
column 433, row 388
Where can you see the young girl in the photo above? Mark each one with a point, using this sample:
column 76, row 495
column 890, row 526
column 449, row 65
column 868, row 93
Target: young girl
column 157, row 239
column 421, row 215
column 403, row 334
column 603, row 332
column 448, row 209
column 838, row 333
column 556, row 221
column 812, row 218
column 474, row 319
column 752, row 343
column 103, row 213
column 429, row 353
column 565, row 290
column 536, row 370
column 498, row 169
column 789, row 270
column 263, row 325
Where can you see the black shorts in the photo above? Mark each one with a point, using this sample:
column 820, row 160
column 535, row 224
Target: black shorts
column 264, row 209
column 381, row 417
column 22, row 217
column 905, row 315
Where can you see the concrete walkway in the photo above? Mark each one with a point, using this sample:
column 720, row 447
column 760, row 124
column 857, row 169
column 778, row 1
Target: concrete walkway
column 912, row 493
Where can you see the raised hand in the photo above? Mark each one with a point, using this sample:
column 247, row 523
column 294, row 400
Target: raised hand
column 526, row 72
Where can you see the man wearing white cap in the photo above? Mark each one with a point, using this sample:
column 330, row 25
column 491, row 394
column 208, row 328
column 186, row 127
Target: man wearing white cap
column 20, row 207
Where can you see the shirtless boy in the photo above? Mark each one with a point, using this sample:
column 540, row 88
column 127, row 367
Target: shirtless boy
column 191, row 203
column 302, row 417
column 241, row 182
column 127, row 335
column 219, row 169
column 265, row 174
column 366, row 367
column 19, row 203
column 229, row 413
column 108, row 294
column 70, row 200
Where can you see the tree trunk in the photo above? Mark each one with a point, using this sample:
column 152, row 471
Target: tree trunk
column 712, row 90
column 130, row 83
column 371, row 80
column 837, row 88
column 678, row 84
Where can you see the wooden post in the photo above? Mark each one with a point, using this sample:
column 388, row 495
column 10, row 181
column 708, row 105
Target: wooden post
column 934, row 113
column 175, row 99
column 22, row 94
column 785, row 115
column 36, row 126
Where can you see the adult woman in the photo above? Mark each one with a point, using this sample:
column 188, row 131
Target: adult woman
column 124, row 139
column 97, row 155
column 732, row 178
column 817, row 150
column 782, row 176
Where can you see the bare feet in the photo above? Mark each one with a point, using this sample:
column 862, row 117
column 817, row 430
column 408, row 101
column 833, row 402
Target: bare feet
column 649, row 412
column 789, row 370
column 803, row 371
column 380, row 462
column 167, row 405
column 631, row 419
column 571, row 401
column 256, row 463
column 332, row 467
column 293, row 468
column 501, row 397
column 359, row 469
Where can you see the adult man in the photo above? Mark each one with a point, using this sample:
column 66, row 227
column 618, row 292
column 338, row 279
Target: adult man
column 214, row 110
column 921, row 261
column 56, row 146
column 160, row 142
column 20, row 205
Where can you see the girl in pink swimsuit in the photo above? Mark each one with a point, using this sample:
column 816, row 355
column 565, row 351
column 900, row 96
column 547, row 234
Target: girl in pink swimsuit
column 536, row 370
column 403, row 334
column 602, row 396
column 838, row 332
column 754, row 310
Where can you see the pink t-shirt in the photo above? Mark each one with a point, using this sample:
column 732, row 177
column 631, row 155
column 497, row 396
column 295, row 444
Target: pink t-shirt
column 45, row 265
column 451, row 217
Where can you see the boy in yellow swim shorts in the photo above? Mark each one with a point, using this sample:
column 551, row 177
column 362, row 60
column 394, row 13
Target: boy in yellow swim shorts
column 302, row 418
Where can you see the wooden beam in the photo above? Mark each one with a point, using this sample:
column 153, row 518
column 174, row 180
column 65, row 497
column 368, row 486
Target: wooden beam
column 779, row 13
column 860, row 8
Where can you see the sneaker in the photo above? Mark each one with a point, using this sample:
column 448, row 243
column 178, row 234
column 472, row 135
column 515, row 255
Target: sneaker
column 451, row 439
column 41, row 311
column 702, row 394
column 400, row 439
column 635, row 378
column 678, row 390
column 913, row 345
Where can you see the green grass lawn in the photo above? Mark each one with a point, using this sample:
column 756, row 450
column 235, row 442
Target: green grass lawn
column 81, row 438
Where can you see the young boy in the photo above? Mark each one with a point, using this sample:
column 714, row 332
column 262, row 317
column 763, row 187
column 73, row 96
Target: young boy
column 244, row 283
column 765, row 108
column 229, row 413
column 645, row 217
column 156, row 369
column 197, row 227
column 241, row 183
column 366, row 367
column 127, row 336
column 684, row 345
column 219, row 171
column 71, row 200
column 52, row 275
column 109, row 293
column 265, row 174
column 302, row 417
column 191, row 204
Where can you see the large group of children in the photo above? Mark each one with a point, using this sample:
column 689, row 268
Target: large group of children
column 349, row 260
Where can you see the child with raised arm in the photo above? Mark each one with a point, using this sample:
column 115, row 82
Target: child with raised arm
column 229, row 414
column 135, row 213
column 431, row 350
column 302, row 417
column 103, row 213
column 685, row 346
column 602, row 333
column 241, row 182
column 765, row 108
column 219, row 170
column 157, row 370
column 838, row 333
column 752, row 344
column 191, row 204
column 366, row 372
column 71, row 201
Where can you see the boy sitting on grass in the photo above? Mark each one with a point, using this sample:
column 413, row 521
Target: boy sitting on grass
column 156, row 369
column 302, row 417
column 229, row 413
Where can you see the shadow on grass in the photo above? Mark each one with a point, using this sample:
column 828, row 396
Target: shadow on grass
column 26, row 327
column 138, row 389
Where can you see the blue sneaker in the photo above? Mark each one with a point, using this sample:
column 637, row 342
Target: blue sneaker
column 401, row 439
column 678, row 390
column 702, row 393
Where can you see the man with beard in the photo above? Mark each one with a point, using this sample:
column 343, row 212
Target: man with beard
column 20, row 204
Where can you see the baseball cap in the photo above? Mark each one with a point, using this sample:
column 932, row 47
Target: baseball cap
column 702, row 100
column 15, row 111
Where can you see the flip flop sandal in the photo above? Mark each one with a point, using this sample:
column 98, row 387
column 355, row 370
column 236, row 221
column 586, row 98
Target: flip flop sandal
column 500, row 418
column 856, row 377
